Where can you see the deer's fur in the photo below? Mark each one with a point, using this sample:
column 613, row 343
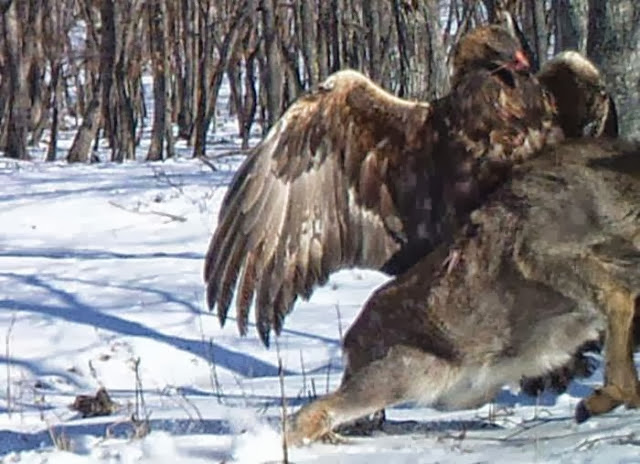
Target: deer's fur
column 549, row 263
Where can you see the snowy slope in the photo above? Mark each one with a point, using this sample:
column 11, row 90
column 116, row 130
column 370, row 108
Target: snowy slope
column 100, row 267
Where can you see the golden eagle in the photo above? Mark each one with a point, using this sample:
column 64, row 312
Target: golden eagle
column 353, row 176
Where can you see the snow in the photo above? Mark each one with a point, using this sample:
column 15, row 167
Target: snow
column 101, row 268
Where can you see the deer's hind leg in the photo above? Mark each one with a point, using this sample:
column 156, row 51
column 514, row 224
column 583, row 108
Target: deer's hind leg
column 390, row 380
column 618, row 265
column 621, row 384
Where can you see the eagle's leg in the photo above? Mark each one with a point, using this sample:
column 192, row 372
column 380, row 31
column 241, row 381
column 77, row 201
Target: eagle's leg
column 621, row 379
column 452, row 260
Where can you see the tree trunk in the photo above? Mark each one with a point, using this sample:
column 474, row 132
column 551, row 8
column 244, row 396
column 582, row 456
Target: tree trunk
column 371, row 12
column 126, row 104
column 203, row 72
column 34, row 54
column 158, row 51
column 52, row 149
column 322, row 39
column 614, row 45
column 81, row 146
column 247, row 104
column 187, row 63
column 211, row 79
column 308, row 24
column 535, row 31
column 19, row 108
column 335, row 24
column 403, row 48
column 166, row 64
column 272, row 77
column 107, row 65
column 570, row 18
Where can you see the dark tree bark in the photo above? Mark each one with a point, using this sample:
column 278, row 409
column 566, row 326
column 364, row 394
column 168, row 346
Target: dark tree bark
column 371, row 12
column 81, row 146
column 272, row 73
column 89, row 94
column 308, row 40
column 203, row 72
column 157, row 36
column 4, row 5
column 270, row 50
column 335, row 24
column 38, row 88
column 107, row 65
column 126, row 98
column 52, row 149
column 241, row 75
column 186, row 55
column 422, row 70
column 536, row 30
column 16, row 71
column 322, row 39
column 403, row 47
column 570, row 20
column 225, row 44
column 614, row 44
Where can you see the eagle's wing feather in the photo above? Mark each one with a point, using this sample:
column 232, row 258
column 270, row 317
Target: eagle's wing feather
column 316, row 195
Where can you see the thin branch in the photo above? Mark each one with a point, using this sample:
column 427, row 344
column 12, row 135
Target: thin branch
column 173, row 217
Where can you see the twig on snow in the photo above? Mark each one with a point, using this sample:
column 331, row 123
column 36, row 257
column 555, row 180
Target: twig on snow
column 170, row 216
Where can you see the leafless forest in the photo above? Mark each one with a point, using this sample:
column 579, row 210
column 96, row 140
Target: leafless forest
column 83, row 60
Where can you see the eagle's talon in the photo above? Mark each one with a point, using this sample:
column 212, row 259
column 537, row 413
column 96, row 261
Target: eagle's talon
column 452, row 260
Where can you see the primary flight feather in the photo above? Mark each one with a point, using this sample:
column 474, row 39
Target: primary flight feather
column 354, row 176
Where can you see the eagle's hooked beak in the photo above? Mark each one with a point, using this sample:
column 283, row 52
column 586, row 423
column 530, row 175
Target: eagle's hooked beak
column 520, row 61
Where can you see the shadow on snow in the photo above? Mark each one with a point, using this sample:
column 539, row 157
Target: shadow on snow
column 14, row 442
column 88, row 254
column 73, row 310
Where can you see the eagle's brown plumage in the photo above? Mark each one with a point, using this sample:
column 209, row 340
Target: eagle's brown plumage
column 353, row 176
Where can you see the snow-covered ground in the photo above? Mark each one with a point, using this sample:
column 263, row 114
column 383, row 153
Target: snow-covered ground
column 100, row 271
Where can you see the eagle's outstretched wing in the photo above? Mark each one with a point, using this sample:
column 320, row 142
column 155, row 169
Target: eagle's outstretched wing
column 353, row 176
column 585, row 107
column 321, row 192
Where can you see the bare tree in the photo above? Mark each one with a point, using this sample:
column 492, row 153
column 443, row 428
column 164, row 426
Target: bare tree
column 157, row 14
column 271, row 74
column 54, row 44
column 86, row 59
column 186, row 51
column 242, row 82
column 534, row 20
column 97, row 62
column 614, row 44
column 17, row 52
column 222, row 41
column 570, row 22
column 125, row 100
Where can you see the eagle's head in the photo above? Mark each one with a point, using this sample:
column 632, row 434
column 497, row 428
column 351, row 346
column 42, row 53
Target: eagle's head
column 489, row 47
